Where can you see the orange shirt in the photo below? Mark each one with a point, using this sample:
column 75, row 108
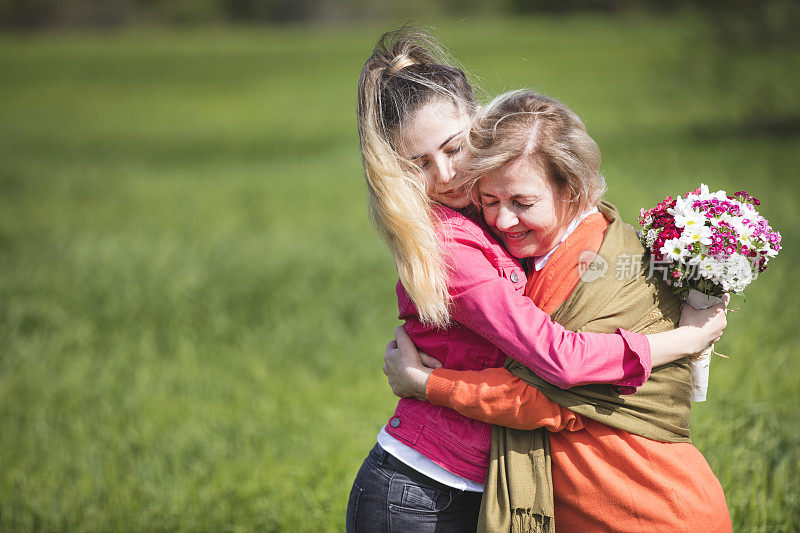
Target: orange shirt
column 604, row 479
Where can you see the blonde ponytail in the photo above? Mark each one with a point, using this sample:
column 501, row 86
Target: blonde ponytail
column 401, row 76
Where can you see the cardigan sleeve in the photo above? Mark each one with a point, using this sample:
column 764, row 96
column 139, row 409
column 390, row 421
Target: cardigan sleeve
column 490, row 305
column 496, row 396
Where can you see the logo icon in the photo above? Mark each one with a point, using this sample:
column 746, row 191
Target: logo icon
column 591, row 266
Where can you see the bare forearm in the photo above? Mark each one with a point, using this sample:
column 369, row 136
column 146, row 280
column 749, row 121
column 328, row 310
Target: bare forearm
column 418, row 382
column 671, row 345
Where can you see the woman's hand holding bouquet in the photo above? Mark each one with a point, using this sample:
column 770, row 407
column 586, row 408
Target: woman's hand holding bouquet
column 708, row 244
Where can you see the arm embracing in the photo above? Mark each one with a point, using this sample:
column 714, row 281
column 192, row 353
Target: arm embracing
column 496, row 396
column 492, row 395
column 491, row 306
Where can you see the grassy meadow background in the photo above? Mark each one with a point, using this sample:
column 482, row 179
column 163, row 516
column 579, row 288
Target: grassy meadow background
column 193, row 307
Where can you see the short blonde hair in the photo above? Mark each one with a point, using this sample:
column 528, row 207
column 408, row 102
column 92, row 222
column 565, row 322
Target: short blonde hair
column 525, row 124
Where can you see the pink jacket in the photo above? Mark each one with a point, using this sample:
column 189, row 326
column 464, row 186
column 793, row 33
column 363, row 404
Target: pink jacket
column 491, row 318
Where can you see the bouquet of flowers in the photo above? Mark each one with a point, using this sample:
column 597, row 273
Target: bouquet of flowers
column 707, row 244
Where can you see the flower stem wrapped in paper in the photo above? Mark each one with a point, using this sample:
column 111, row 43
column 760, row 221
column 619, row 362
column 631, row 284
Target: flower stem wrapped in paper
column 707, row 244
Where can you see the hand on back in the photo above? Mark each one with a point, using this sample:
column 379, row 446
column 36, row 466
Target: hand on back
column 406, row 368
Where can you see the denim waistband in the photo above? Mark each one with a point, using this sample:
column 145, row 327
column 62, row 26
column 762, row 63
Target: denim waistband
column 382, row 457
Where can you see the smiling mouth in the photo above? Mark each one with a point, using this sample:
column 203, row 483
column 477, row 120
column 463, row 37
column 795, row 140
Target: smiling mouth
column 516, row 236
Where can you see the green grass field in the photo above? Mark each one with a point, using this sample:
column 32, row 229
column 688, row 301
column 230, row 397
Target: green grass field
column 193, row 307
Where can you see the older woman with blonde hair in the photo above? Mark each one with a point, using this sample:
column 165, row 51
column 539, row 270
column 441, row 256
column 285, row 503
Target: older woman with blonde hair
column 586, row 458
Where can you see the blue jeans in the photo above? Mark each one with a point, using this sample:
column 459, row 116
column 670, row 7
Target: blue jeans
column 390, row 496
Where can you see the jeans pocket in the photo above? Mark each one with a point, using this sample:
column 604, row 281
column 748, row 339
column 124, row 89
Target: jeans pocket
column 424, row 509
column 420, row 497
column 352, row 508
column 410, row 495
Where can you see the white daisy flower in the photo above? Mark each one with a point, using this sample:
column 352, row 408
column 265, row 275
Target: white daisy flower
column 674, row 249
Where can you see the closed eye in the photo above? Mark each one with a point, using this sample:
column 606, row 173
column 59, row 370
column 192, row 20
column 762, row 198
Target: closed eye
column 455, row 150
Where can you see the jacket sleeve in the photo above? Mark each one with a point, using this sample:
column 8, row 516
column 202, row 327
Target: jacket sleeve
column 489, row 304
column 496, row 396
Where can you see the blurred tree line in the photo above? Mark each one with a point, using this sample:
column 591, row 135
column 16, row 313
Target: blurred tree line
column 742, row 54
column 43, row 13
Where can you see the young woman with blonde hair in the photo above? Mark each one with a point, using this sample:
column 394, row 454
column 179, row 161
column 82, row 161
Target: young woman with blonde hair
column 460, row 295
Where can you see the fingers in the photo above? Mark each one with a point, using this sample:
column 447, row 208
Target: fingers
column 726, row 299
column 403, row 340
column 388, row 353
column 391, row 348
column 430, row 362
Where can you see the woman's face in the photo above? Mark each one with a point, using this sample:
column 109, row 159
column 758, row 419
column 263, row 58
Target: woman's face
column 433, row 141
column 523, row 207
